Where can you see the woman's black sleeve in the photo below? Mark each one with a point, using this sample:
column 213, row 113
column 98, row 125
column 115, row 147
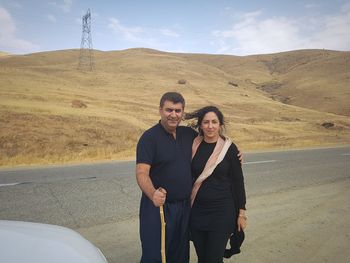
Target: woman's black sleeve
column 238, row 188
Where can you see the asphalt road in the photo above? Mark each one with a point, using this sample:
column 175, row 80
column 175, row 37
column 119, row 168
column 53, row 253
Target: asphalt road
column 92, row 194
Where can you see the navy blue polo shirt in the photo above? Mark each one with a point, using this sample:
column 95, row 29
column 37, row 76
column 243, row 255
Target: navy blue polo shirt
column 170, row 159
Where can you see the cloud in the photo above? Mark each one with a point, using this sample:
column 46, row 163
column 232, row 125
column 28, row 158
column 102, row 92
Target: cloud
column 311, row 6
column 140, row 36
column 66, row 6
column 255, row 34
column 128, row 33
column 51, row 18
column 252, row 35
column 7, row 25
column 169, row 33
column 331, row 31
column 8, row 40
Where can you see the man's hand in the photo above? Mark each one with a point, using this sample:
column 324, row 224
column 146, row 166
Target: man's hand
column 159, row 197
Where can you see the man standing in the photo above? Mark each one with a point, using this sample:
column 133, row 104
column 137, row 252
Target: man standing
column 163, row 172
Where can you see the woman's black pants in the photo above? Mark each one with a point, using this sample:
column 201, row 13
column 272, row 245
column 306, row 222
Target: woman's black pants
column 210, row 246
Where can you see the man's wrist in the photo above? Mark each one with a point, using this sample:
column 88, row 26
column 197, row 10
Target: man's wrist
column 152, row 194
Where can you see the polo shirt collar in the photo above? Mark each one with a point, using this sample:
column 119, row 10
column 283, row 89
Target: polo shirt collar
column 162, row 127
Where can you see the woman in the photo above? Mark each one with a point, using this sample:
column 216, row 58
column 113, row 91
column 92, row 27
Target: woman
column 218, row 194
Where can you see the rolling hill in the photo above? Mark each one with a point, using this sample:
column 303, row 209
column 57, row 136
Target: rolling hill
column 3, row 54
column 50, row 112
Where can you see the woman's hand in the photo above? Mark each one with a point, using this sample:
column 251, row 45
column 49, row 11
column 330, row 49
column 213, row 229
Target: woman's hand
column 240, row 156
column 241, row 220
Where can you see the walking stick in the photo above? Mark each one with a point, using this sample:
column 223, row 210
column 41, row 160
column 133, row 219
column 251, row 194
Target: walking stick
column 162, row 249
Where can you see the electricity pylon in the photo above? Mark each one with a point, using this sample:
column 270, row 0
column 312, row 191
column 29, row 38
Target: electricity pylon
column 86, row 58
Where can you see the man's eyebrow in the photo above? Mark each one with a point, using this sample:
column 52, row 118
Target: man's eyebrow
column 173, row 109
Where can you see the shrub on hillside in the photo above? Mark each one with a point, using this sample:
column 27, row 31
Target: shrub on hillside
column 78, row 104
column 328, row 125
column 233, row 83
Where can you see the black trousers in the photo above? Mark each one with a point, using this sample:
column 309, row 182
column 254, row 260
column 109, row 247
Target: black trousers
column 177, row 243
column 210, row 246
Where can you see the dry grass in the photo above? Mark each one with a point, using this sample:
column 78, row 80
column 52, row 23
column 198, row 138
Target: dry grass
column 315, row 79
column 41, row 138
column 4, row 54
column 39, row 124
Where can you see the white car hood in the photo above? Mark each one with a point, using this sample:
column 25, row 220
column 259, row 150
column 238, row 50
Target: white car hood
column 39, row 243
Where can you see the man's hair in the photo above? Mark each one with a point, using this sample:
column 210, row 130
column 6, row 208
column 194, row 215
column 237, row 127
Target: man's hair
column 174, row 97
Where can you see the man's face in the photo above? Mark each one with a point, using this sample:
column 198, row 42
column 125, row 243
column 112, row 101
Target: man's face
column 171, row 115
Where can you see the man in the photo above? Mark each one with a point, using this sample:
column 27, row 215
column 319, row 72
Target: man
column 163, row 172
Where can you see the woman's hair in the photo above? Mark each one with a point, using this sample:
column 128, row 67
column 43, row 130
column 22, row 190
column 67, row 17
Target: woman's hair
column 199, row 115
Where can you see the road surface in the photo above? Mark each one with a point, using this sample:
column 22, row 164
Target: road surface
column 94, row 197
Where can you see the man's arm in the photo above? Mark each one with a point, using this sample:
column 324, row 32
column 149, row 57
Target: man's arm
column 157, row 196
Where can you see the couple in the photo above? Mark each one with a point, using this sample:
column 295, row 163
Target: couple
column 198, row 179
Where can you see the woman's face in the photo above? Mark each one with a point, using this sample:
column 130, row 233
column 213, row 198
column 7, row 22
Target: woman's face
column 210, row 126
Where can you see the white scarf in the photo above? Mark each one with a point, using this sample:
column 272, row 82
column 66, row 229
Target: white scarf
column 215, row 158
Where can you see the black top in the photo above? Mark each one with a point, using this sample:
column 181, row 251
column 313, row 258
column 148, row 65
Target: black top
column 170, row 159
column 221, row 195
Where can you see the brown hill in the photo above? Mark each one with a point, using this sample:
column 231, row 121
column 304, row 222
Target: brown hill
column 41, row 122
column 3, row 54
column 315, row 79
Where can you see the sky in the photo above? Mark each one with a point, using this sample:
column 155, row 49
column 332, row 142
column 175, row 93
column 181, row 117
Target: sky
column 236, row 27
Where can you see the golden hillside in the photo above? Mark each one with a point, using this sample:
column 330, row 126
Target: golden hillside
column 3, row 54
column 51, row 113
